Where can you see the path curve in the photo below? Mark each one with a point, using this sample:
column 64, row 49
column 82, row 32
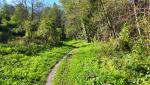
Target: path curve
column 53, row 71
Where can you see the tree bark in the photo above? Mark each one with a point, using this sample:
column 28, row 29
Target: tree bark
column 32, row 11
column 136, row 18
column 85, row 32
column 108, row 20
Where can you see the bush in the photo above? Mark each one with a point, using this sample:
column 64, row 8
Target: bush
column 123, row 42
column 27, row 25
column 47, row 33
column 4, row 37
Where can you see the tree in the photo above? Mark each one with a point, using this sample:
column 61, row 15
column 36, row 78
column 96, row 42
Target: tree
column 20, row 14
column 7, row 11
column 50, row 22
column 76, row 13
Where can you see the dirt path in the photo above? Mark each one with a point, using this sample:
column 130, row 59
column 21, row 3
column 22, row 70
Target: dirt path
column 53, row 71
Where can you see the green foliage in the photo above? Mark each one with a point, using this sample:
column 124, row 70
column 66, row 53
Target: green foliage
column 4, row 37
column 4, row 24
column 124, row 34
column 28, row 29
column 99, row 63
column 20, row 13
column 7, row 11
column 48, row 26
column 122, row 60
column 47, row 32
column 123, row 42
column 76, row 13
column 28, row 65
column 16, row 20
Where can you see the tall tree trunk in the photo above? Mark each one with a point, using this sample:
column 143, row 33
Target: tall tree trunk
column 32, row 17
column 32, row 11
column 136, row 18
column 108, row 20
column 84, row 31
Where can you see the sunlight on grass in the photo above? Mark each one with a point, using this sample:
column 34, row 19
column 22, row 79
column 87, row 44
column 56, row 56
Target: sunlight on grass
column 19, row 66
column 98, row 64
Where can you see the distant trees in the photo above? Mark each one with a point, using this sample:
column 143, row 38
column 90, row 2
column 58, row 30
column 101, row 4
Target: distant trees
column 78, row 19
column 76, row 13
column 123, row 20
column 100, row 19
column 7, row 11
column 49, row 24
column 32, row 21
column 20, row 14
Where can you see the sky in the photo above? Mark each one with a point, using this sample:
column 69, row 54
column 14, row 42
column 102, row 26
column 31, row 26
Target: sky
column 53, row 1
column 48, row 2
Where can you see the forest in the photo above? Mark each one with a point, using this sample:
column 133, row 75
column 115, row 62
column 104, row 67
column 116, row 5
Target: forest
column 75, row 42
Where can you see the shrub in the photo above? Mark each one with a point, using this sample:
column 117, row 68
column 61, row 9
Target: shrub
column 47, row 32
column 123, row 42
column 28, row 29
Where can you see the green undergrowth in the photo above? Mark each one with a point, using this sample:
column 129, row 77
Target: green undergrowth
column 100, row 64
column 76, row 43
column 29, row 65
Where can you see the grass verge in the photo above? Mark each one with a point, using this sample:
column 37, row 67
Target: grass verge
column 100, row 64
column 30, row 65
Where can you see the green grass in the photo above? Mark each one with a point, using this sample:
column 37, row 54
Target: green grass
column 29, row 65
column 99, row 63
column 95, row 63
column 78, row 70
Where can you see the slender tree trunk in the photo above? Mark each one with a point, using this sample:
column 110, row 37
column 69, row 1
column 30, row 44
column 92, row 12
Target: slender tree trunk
column 32, row 12
column 136, row 18
column 32, row 16
column 84, row 30
column 108, row 20
column 25, row 3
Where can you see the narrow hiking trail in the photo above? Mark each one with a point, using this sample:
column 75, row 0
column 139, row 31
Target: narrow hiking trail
column 54, row 70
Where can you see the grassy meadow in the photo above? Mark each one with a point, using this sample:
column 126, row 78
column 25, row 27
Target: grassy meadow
column 99, row 63
column 75, row 42
column 28, row 65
